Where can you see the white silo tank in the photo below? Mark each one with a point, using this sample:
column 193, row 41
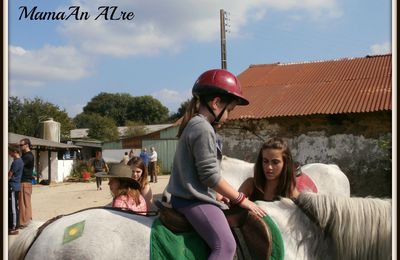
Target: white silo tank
column 50, row 130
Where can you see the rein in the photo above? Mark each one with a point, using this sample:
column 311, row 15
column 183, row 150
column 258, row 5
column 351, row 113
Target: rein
column 150, row 213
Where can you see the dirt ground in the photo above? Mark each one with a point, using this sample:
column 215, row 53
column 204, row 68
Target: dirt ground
column 68, row 197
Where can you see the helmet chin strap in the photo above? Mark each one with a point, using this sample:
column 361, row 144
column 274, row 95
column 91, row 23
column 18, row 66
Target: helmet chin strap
column 216, row 118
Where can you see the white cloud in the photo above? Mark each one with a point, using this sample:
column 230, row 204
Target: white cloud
column 171, row 98
column 381, row 48
column 164, row 26
column 18, row 51
column 316, row 8
column 75, row 109
column 259, row 15
column 37, row 67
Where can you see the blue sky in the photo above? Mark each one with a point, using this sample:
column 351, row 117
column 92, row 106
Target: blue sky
column 162, row 50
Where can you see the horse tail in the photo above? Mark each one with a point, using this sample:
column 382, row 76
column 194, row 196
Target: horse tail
column 19, row 247
column 360, row 228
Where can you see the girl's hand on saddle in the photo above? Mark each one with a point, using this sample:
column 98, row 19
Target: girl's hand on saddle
column 226, row 200
column 251, row 206
column 223, row 199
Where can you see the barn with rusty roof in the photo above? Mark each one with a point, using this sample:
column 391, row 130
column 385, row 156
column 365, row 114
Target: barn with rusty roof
column 335, row 111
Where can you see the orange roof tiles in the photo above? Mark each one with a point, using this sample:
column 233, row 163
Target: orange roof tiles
column 325, row 87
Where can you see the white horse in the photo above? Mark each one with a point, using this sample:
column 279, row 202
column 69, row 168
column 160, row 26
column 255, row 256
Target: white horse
column 339, row 228
column 109, row 234
column 328, row 178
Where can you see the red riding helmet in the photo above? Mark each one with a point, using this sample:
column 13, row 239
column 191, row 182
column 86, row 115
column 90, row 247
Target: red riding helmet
column 219, row 81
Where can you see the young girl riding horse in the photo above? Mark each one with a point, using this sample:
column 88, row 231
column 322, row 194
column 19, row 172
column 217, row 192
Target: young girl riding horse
column 195, row 178
column 124, row 189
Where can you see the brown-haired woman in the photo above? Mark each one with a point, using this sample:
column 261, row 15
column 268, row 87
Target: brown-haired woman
column 274, row 173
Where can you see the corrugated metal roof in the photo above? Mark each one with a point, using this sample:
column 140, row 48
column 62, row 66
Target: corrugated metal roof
column 148, row 129
column 350, row 85
column 83, row 132
column 37, row 142
column 79, row 133
column 88, row 143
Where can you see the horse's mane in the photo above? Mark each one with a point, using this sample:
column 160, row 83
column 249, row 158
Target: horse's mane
column 311, row 243
column 361, row 228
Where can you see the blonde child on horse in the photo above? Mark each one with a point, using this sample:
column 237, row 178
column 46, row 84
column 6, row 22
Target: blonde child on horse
column 124, row 189
column 274, row 173
column 140, row 173
column 195, row 178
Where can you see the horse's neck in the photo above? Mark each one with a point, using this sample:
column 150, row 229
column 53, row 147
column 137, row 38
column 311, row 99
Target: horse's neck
column 301, row 236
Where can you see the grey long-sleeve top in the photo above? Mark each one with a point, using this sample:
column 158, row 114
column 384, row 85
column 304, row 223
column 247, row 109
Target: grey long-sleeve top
column 195, row 170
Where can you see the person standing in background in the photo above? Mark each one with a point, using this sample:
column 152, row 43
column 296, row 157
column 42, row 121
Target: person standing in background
column 145, row 157
column 125, row 159
column 131, row 154
column 25, row 195
column 14, row 187
column 98, row 165
column 153, row 164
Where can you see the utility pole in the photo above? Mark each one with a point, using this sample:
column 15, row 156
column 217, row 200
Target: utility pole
column 222, row 14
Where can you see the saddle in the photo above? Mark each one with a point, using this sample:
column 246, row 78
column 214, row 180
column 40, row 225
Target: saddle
column 252, row 234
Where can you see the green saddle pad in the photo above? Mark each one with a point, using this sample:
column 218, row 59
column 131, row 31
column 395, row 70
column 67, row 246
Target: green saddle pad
column 190, row 246
column 278, row 248
column 181, row 246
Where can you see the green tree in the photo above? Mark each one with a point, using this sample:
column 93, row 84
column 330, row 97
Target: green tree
column 181, row 111
column 101, row 128
column 25, row 117
column 83, row 120
column 110, row 105
column 15, row 108
column 148, row 110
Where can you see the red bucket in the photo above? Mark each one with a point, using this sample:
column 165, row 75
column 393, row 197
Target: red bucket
column 86, row 176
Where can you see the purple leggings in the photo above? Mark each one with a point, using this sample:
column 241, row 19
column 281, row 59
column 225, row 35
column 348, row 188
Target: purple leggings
column 210, row 223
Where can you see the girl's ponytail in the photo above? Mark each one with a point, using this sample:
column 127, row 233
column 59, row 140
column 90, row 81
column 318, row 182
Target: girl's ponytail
column 190, row 112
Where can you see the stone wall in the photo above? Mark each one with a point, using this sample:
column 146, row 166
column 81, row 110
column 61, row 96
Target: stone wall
column 360, row 144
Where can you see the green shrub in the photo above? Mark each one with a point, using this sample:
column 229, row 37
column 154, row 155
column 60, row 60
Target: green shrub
column 79, row 168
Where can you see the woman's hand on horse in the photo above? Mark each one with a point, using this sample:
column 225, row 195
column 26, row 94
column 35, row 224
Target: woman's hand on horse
column 251, row 206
